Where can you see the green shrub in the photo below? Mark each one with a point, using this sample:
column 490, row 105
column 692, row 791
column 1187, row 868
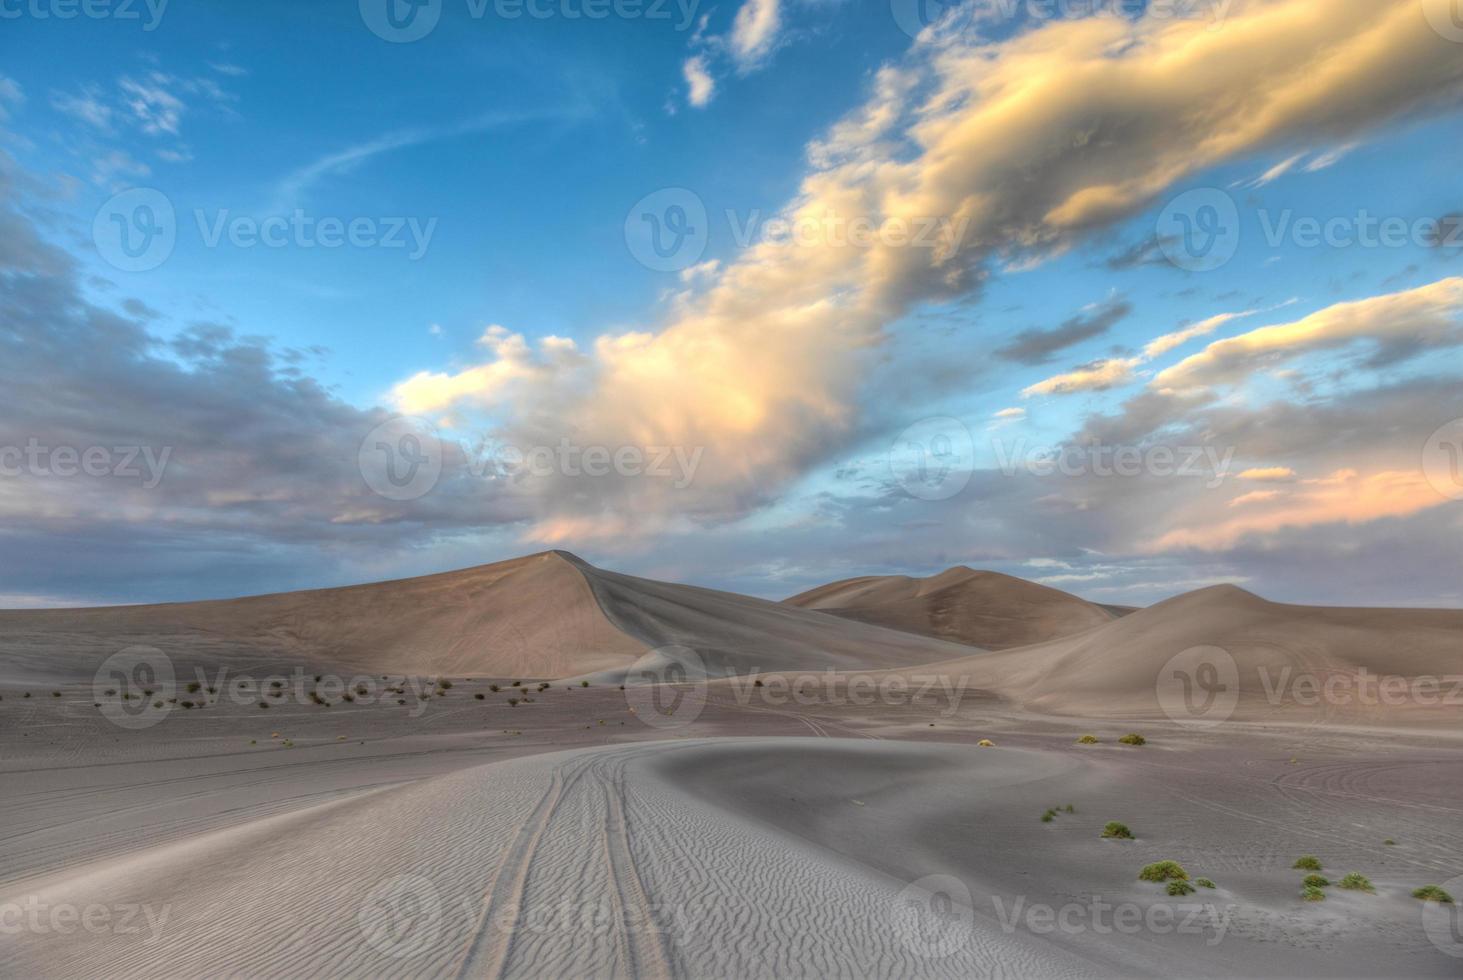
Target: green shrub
column 1433, row 893
column 1048, row 816
column 1390, row 842
column 1163, row 871
column 194, row 687
column 262, row 704
column 1312, row 894
column 447, row 685
column 1315, row 881
column 480, row 695
column 1355, row 881
column 1117, row 830
column 1204, row 883
column 513, row 702
column 1307, row 862
column 1180, row 887
column 1133, row 738
column 1088, row 740
column 494, row 688
column 584, row 683
column 1070, row 808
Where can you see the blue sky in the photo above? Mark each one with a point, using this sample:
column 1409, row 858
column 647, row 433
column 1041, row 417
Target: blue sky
column 503, row 159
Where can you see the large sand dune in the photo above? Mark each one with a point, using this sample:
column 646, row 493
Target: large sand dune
column 977, row 608
column 1304, row 663
column 547, row 615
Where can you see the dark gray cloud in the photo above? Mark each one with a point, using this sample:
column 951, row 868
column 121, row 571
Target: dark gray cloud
column 1040, row 346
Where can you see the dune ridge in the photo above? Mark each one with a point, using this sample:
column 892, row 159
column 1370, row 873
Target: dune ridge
column 978, row 608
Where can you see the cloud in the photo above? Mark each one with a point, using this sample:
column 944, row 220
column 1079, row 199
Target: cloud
column 87, row 107
column 755, row 32
column 1344, row 497
column 1269, row 474
column 1428, row 317
column 1113, row 372
column 10, row 95
column 1029, row 145
column 296, row 184
column 1038, row 346
column 700, row 86
column 153, row 107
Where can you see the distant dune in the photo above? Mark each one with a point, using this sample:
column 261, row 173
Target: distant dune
column 1278, row 652
column 542, row 616
column 962, row 605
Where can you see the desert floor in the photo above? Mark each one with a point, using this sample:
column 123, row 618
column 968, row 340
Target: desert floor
column 734, row 838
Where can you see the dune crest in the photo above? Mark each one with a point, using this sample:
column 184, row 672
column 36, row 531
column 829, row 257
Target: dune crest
column 978, row 608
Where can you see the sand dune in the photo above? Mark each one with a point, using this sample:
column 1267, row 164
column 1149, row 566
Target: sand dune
column 982, row 609
column 1277, row 651
column 547, row 615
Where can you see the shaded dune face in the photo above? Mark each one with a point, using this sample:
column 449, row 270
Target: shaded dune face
column 962, row 605
column 549, row 615
column 1301, row 663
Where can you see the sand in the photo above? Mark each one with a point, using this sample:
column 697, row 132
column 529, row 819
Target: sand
column 720, row 829
column 978, row 608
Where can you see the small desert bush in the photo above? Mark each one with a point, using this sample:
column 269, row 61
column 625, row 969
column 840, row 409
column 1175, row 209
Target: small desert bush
column 194, row 687
column 445, row 685
column 1163, row 871
column 1088, row 740
column 1312, row 894
column 1117, row 830
column 1433, row 893
column 1390, row 842
column 262, row 704
column 1307, row 862
column 1048, row 816
column 758, row 683
column 516, row 684
column 1204, row 883
column 584, row 683
column 480, row 695
column 1356, row 882
column 1315, row 881
column 513, row 702
column 1180, row 887
column 494, row 688
column 347, row 696
column 1133, row 738
column 55, row 694
column 986, row 743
